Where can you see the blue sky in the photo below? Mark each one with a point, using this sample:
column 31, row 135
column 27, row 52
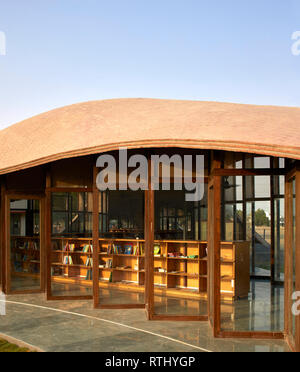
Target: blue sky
column 61, row 52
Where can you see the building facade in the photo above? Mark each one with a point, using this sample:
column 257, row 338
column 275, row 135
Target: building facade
column 230, row 257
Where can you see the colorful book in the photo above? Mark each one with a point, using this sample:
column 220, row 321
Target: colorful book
column 128, row 249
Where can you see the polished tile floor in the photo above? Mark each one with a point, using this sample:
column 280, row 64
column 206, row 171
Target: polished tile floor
column 75, row 326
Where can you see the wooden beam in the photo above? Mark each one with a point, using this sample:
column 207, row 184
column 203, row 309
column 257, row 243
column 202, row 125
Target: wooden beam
column 249, row 172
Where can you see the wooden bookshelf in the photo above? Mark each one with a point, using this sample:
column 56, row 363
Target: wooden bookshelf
column 26, row 255
column 180, row 267
column 235, row 270
column 72, row 259
column 122, row 261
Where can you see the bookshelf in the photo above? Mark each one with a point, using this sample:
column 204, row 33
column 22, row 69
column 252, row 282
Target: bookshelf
column 180, row 267
column 72, row 259
column 25, row 252
column 122, row 261
column 235, row 270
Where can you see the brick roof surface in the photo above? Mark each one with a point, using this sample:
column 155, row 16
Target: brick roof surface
column 100, row 126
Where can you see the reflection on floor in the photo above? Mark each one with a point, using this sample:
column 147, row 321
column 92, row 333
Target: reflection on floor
column 70, row 290
column 174, row 306
column 117, row 297
column 263, row 310
column 112, row 296
column 75, row 326
column 25, row 283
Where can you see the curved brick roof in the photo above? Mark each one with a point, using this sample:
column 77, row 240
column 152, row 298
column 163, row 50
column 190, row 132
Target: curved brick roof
column 100, row 126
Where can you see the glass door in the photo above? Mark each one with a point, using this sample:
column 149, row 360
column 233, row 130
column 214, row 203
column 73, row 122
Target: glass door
column 25, row 261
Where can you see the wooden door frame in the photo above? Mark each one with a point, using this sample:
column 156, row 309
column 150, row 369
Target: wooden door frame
column 294, row 343
column 6, row 240
column 48, row 238
column 216, row 182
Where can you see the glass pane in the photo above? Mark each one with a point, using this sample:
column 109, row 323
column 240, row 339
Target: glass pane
column 121, row 248
column 25, row 257
column 262, row 162
column 71, row 245
column 262, row 239
column 262, row 186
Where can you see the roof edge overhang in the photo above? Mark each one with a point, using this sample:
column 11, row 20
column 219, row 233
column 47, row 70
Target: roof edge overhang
column 259, row 149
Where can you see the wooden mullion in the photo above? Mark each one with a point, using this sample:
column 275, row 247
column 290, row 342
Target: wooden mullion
column 288, row 242
column 272, row 250
column 48, row 235
column 149, row 238
column 7, row 244
column 3, row 237
column 217, row 262
column 95, row 239
column 297, row 256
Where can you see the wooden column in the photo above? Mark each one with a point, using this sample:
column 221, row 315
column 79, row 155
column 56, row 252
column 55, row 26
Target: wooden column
column 48, row 234
column 149, row 245
column 95, row 238
column 214, row 234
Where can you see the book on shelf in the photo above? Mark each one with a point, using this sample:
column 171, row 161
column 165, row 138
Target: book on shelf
column 108, row 264
column 89, row 275
column 89, row 262
column 142, row 250
column 68, row 260
column 117, row 249
column 136, row 250
column 128, row 249
column 87, row 248
column 72, row 247
column 157, row 250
